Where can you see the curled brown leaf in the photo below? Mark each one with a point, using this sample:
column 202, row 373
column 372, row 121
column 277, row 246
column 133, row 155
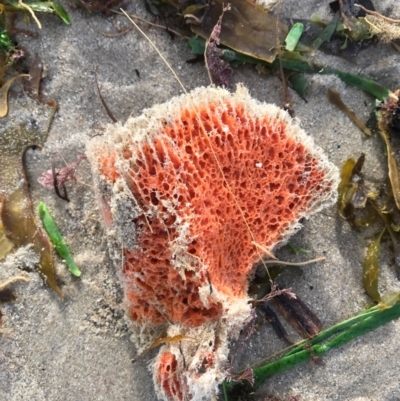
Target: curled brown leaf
column 4, row 95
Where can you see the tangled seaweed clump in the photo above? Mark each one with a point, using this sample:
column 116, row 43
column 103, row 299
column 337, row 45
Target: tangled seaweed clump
column 191, row 191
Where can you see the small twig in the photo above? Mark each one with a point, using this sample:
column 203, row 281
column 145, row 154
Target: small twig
column 275, row 291
column 282, row 262
column 156, row 49
column 151, row 23
column 114, row 35
column 394, row 21
column 108, row 111
column 12, row 280
column 23, row 5
column 54, row 107
column 264, row 249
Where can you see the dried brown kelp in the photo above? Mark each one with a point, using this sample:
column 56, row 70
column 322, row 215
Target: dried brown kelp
column 360, row 207
column 5, row 243
column 17, row 214
column 388, row 116
column 353, row 193
column 297, row 314
column 371, row 268
column 4, row 95
column 272, row 318
column 246, row 28
column 335, row 98
column 32, row 87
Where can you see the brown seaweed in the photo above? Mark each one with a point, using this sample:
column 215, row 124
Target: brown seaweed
column 371, row 268
column 32, row 87
column 17, row 214
column 388, row 116
column 246, row 28
column 297, row 314
column 335, row 98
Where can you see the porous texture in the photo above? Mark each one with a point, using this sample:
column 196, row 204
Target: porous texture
column 166, row 377
column 186, row 190
column 385, row 30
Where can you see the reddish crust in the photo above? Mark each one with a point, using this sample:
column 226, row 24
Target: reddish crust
column 273, row 178
column 168, row 377
column 107, row 165
column 155, row 290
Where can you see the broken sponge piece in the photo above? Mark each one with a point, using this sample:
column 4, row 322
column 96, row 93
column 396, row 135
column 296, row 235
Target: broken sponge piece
column 187, row 190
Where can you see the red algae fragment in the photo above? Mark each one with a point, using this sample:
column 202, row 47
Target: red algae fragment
column 168, row 378
column 186, row 190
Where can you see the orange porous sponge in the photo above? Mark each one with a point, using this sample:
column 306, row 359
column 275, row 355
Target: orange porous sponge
column 186, row 190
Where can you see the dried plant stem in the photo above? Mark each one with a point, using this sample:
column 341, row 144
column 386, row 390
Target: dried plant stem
column 394, row 21
column 104, row 103
column 265, row 250
column 156, row 49
column 23, row 5
column 114, row 35
column 282, row 262
column 147, row 22
column 12, row 280
column 206, row 62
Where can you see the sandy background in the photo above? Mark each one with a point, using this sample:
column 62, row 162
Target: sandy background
column 80, row 349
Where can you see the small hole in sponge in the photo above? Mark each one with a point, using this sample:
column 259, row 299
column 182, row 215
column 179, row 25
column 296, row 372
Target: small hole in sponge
column 154, row 199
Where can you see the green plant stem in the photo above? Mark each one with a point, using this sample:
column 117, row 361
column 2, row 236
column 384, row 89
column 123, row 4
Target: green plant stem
column 369, row 322
column 323, row 335
column 57, row 239
column 225, row 392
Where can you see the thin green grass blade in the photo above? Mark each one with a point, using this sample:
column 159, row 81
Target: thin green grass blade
column 367, row 85
column 327, row 33
column 59, row 10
